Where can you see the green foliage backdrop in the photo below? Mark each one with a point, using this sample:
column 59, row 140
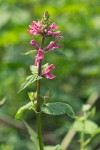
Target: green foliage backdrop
column 77, row 76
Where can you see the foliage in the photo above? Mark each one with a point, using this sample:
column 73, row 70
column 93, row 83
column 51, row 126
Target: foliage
column 86, row 126
column 57, row 108
column 79, row 21
column 22, row 109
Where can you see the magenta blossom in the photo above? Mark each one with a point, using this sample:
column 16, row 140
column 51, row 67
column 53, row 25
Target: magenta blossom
column 40, row 28
column 33, row 42
column 39, row 56
column 53, row 45
column 53, row 26
column 51, row 31
column 36, row 28
column 47, row 73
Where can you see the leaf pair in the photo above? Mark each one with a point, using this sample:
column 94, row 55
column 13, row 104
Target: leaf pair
column 56, row 108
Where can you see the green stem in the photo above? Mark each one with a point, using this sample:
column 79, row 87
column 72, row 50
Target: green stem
column 39, row 130
column 38, row 108
column 82, row 135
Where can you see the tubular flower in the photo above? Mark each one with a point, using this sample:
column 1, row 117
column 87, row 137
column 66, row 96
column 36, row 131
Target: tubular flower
column 40, row 28
column 51, row 31
column 39, row 56
column 36, row 28
column 33, row 42
column 47, row 73
column 53, row 26
column 53, row 45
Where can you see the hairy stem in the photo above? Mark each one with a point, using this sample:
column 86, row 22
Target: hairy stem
column 39, row 130
column 38, row 102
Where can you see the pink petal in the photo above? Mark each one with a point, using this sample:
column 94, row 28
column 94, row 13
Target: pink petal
column 53, row 45
column 50, row 76
column 33, row 42
column 39, row 56
column 53, row 26
column 48, row 69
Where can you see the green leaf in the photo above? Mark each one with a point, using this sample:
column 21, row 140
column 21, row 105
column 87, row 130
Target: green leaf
column 58, row 108
column 32, row 95
column 59, row 53
column 29, row 80
column 90, row 126
column 22, row 109
column 29, row 52
column 57, row 147
column 33, row 136
column 34, row 69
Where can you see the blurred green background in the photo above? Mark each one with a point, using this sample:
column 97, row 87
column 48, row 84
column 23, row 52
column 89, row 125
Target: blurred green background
column 77, row 77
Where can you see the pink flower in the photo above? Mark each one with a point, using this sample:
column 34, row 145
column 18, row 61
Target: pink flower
column 39, row 56
column 52, row 45
column 36, row 28
column 33, row 42
column 51, row 33
column 41, row 28
column 53, row 26
column 47, row 73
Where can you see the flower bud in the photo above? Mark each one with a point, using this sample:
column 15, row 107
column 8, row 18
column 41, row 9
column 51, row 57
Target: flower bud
column 46, row 15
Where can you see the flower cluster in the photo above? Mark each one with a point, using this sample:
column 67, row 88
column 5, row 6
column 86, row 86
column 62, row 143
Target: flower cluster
column 42, row 29
column 45, row 29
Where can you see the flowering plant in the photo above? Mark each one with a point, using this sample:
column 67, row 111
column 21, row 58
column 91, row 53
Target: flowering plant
column 46, row 29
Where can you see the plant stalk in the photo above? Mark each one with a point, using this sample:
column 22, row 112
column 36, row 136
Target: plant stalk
column 82, row 135
column 38, row 108
column 39, row 130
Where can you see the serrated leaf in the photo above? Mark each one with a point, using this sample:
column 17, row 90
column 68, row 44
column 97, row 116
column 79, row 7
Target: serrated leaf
column 59, row 53
column 33, row 136
column 58, row 108
column 29, row 80
column 33, row 69
column 29, row 52
column 90, row 126
column 22, row 109
column 57, row 147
